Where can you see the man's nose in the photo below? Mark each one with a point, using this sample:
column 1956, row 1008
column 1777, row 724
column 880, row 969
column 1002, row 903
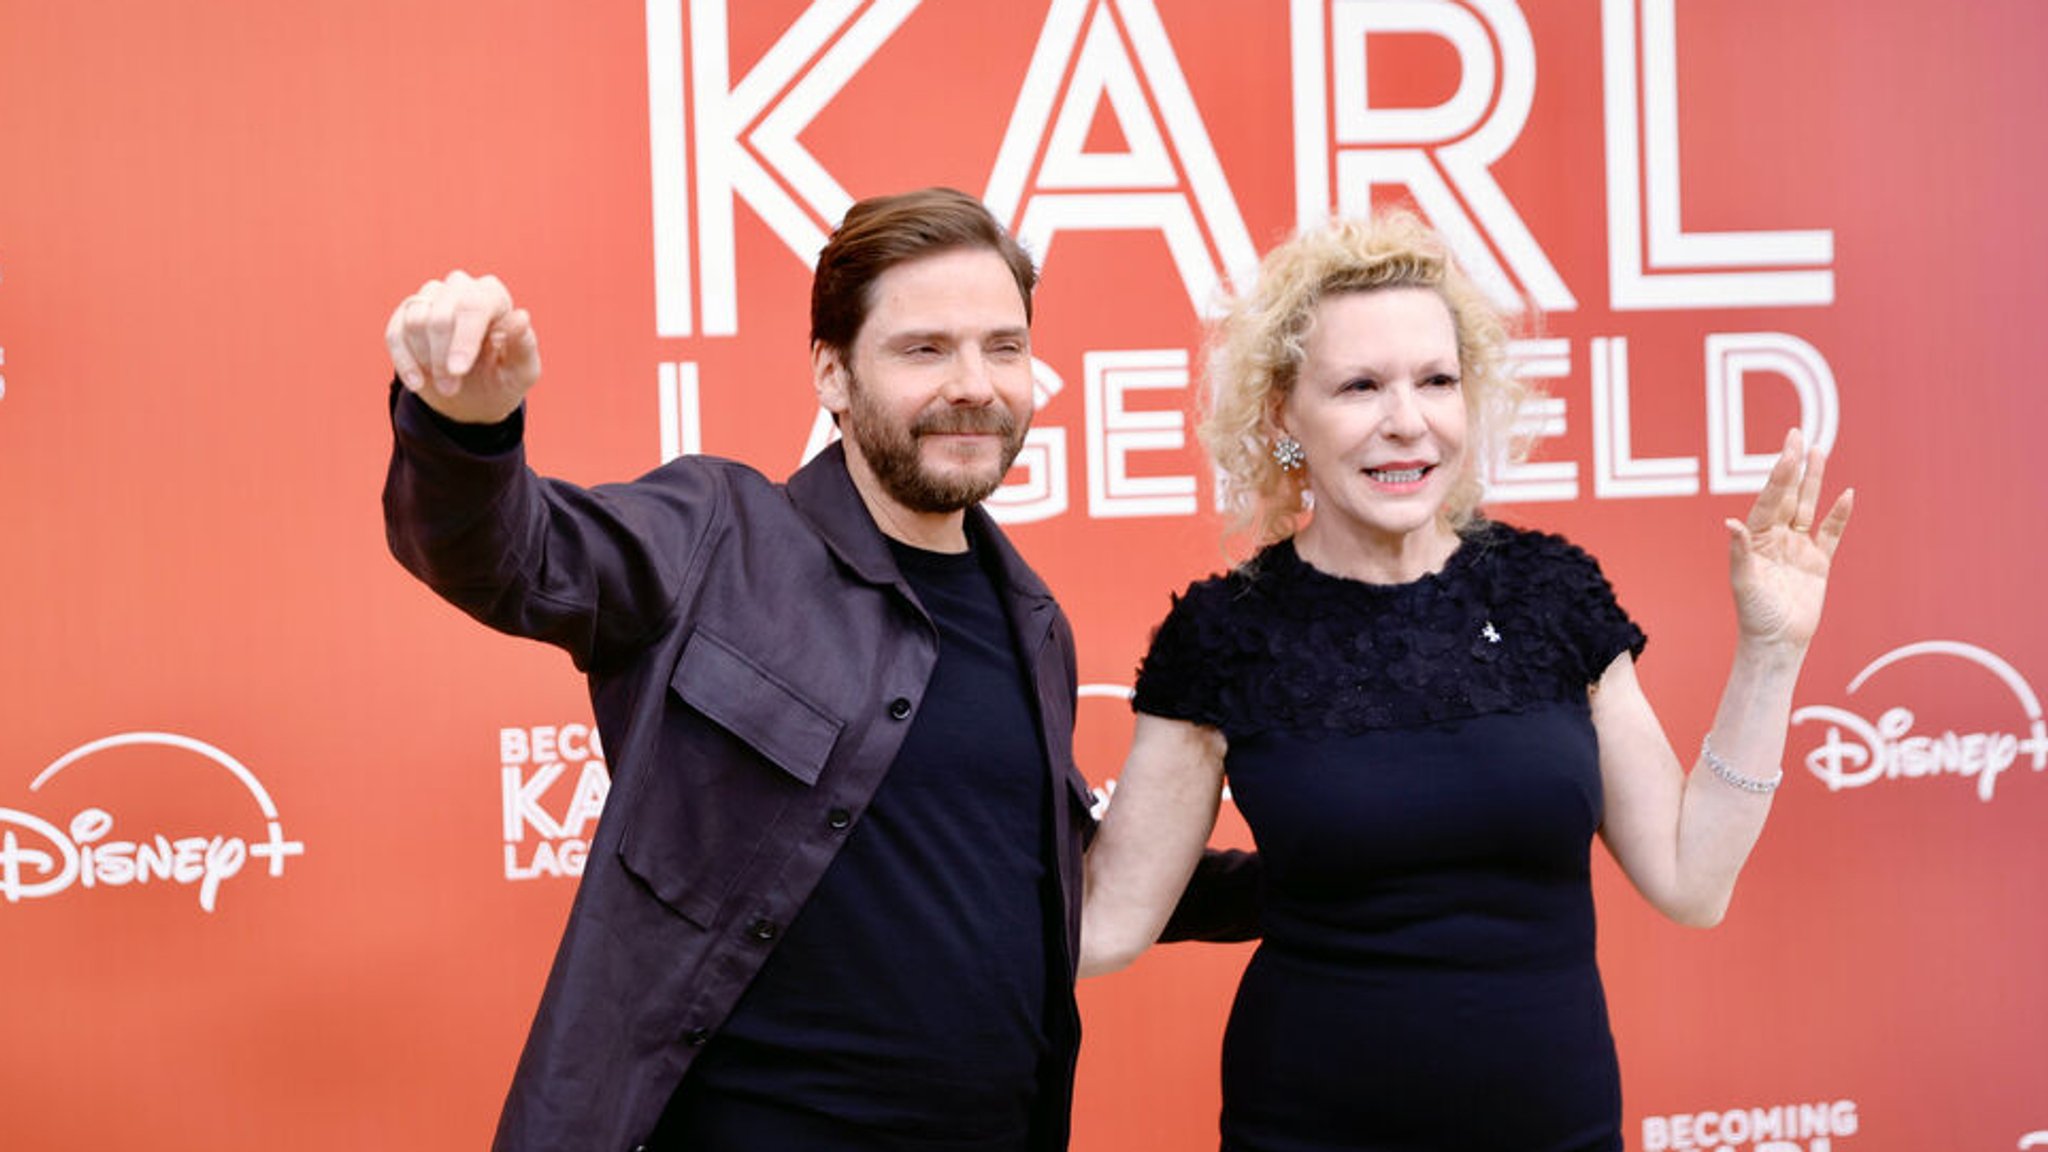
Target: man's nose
column 970, row 381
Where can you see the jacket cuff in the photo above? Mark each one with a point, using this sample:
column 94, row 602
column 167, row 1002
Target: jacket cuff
column 413, row 419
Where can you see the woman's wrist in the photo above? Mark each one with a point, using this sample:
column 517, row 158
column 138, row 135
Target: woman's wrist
column 1771, row 654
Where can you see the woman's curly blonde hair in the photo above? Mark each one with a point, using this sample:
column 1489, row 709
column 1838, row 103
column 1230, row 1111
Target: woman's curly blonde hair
column 1255, row 355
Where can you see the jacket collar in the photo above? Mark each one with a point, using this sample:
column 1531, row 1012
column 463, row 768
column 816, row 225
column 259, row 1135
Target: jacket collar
column 823, row 493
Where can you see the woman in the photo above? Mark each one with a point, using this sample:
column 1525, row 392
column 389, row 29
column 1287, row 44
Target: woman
column 1425, row 717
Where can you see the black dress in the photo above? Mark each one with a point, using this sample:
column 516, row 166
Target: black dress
column 1418, row 765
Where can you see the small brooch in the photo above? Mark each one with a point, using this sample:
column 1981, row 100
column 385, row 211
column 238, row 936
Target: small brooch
column 1486, row 646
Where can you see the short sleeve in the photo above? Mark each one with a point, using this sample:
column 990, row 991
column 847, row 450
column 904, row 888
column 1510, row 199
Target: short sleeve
column 1600, row 629
column 1179, row 678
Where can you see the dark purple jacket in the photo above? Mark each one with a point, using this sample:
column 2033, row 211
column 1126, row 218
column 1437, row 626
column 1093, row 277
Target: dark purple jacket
column 754, row 659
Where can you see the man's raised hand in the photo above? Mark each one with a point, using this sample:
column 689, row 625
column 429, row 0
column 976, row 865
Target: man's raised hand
column 460, row 345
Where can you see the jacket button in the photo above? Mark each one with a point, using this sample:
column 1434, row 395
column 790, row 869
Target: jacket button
column 697, row 1037
column 899, row 707
column 762, row 929
column 838, row 819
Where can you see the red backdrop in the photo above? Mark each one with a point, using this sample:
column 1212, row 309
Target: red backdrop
column 275, row 874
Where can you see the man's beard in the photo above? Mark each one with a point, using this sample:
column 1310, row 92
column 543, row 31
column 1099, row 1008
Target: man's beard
column 892, row 452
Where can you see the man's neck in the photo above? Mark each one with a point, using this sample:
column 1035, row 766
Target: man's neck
column 931, row 531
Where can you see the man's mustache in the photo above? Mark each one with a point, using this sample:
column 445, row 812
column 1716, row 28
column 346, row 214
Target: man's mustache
column 993, row 421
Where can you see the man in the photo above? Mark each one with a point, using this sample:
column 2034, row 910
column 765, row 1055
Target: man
column 834, row 900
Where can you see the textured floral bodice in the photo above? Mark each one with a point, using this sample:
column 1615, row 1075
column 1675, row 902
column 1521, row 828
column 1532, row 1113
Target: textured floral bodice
column 1514, row 619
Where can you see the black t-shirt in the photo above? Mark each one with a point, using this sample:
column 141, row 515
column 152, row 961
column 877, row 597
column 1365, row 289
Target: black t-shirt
column 905, row 1007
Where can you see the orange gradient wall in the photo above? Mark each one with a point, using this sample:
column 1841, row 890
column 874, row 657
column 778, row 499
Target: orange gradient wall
column 285, row 843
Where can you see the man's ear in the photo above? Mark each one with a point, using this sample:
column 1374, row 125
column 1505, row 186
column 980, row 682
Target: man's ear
column 829, row 377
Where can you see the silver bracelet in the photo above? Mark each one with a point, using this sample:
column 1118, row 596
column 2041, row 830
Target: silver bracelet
column 1721, row 768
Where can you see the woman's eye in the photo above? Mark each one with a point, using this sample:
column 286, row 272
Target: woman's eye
column 1361, row 384
column 1444, row 380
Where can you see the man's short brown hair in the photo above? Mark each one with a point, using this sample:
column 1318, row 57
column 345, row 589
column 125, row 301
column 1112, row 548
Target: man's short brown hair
column 883, row 231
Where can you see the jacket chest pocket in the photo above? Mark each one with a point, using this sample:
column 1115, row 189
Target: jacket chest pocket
column 737, row 745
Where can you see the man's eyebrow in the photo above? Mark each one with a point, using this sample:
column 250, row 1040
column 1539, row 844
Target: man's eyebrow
column 1012, row 331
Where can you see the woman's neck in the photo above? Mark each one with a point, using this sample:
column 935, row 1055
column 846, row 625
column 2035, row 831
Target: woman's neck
column 1377, row 558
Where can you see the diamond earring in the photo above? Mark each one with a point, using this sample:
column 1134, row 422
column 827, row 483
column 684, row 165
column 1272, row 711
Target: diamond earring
column 1288, row 453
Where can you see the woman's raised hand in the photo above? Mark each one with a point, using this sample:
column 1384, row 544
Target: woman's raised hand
column 1778, row 559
